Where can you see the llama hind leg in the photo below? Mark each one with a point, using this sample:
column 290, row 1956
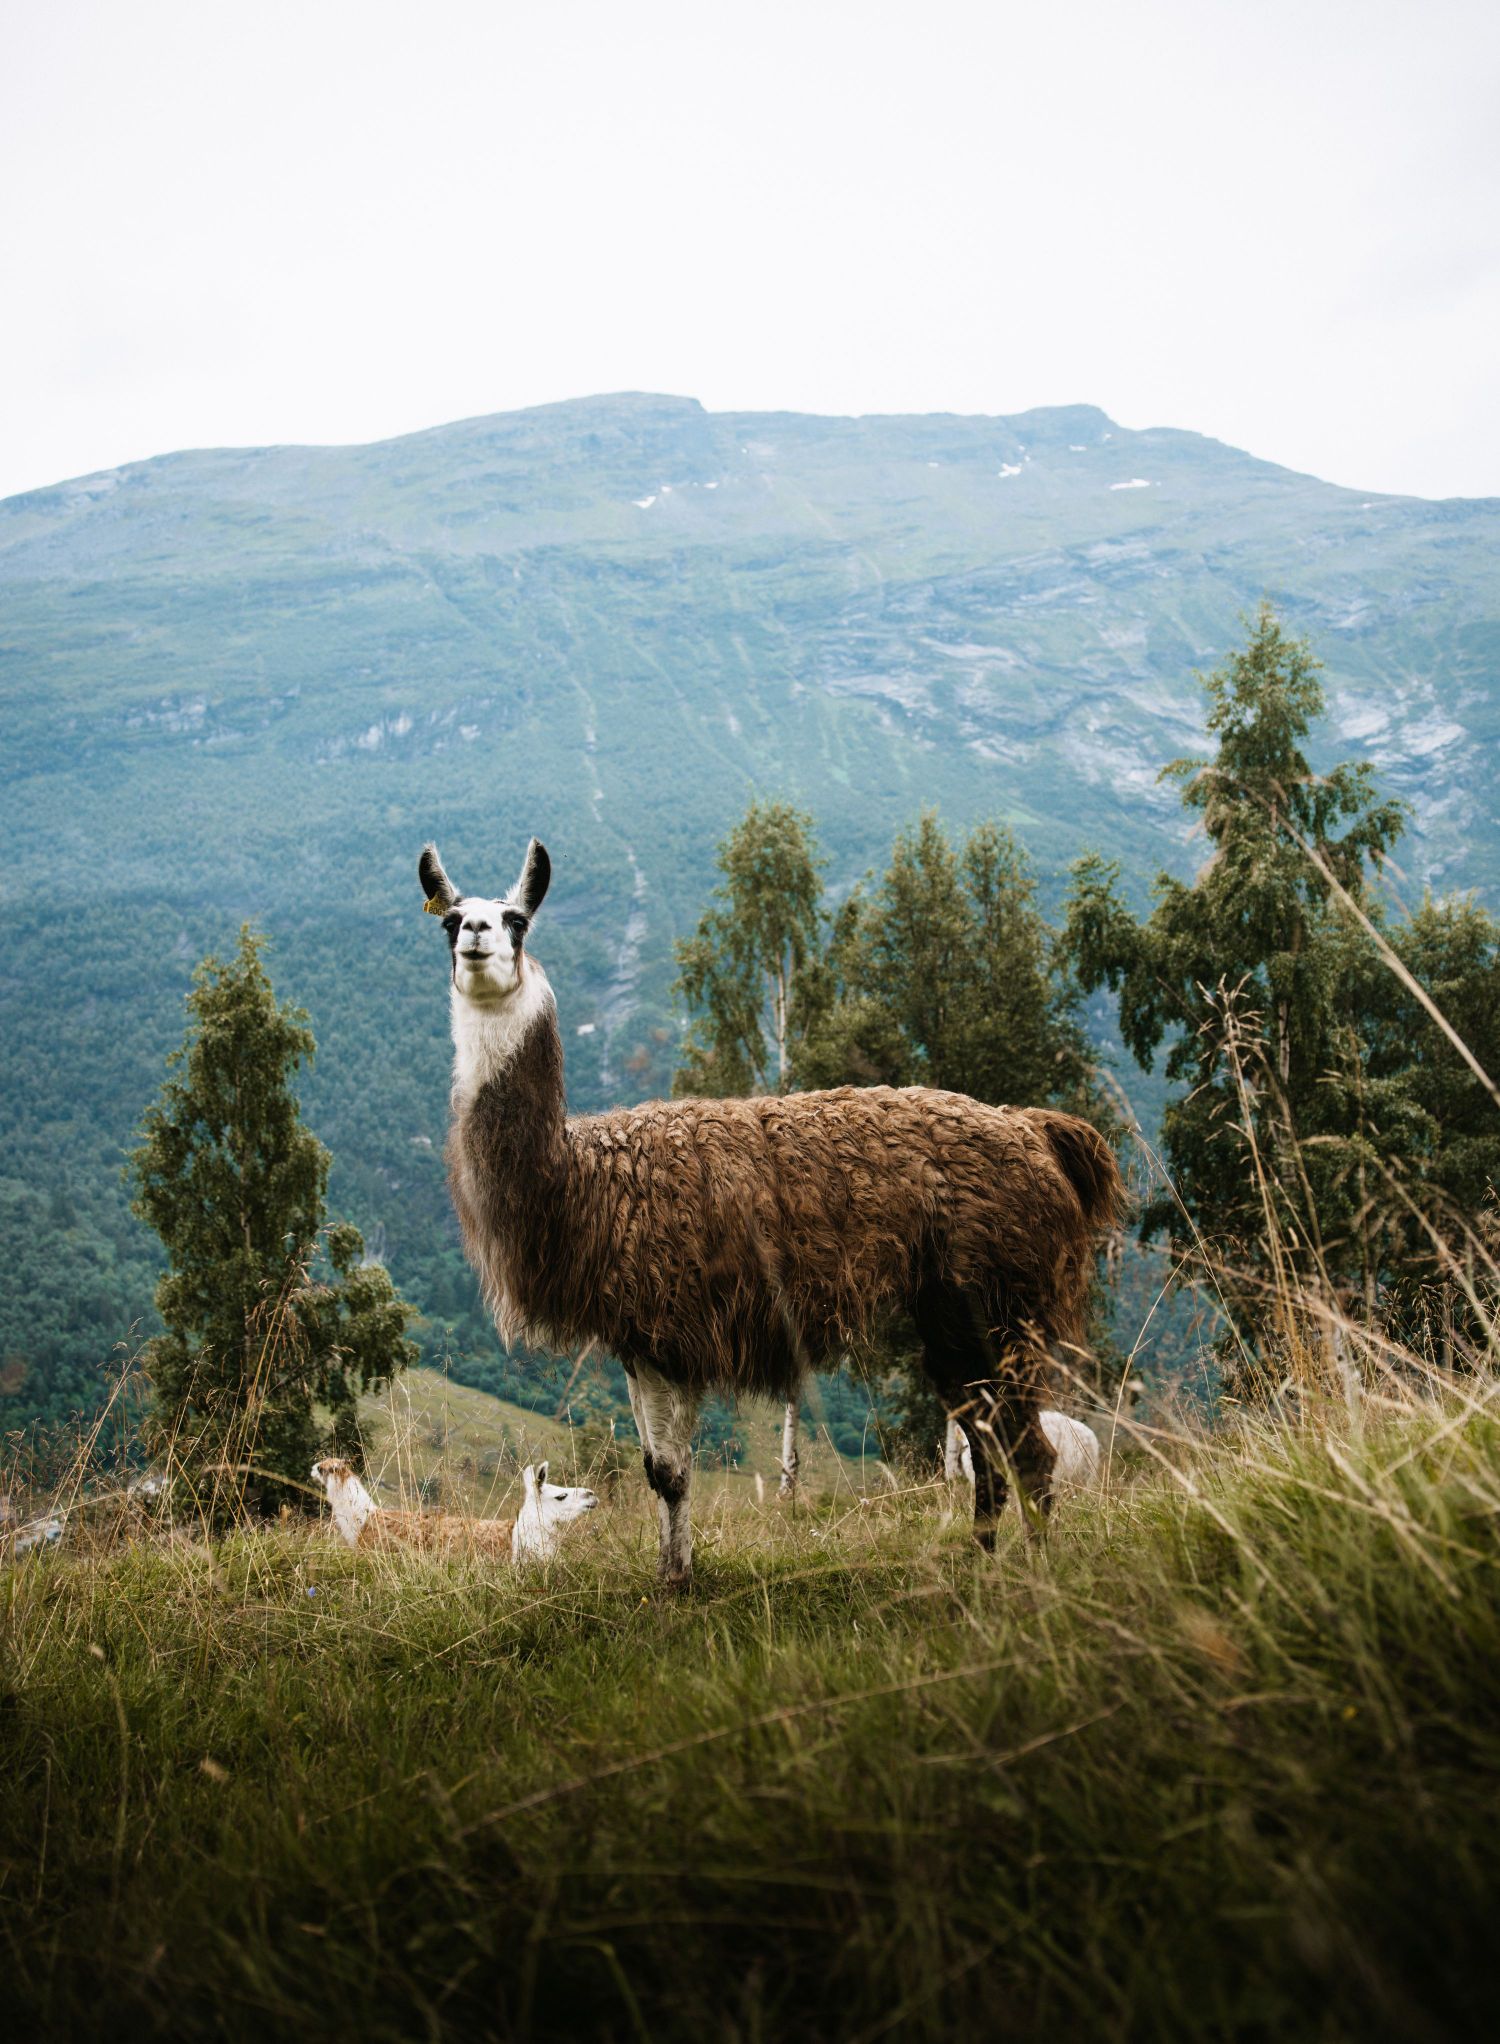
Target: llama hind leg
column 1002, row 1422
column 954, row 1449
column 665, row 1416
column 989, row 1382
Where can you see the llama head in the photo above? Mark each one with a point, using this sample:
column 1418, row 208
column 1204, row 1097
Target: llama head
column 545, row 1510
column 486, row 935
column 332, row 1472
column 555, row 1502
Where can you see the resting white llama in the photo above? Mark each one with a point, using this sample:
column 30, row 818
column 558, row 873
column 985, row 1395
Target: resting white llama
column 361, row 1522
column 545, row 1510
column 533, row 1535
column 733, row 1245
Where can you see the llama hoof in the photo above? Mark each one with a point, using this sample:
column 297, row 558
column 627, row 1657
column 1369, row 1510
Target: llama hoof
column 677, row 1585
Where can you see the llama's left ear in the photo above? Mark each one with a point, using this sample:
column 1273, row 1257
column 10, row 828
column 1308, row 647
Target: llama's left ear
column 535, row 874
column 439, row 889
column 541, row 1474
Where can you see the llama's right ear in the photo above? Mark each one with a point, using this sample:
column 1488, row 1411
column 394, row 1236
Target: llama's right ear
column 535, row 874
column 439, row 889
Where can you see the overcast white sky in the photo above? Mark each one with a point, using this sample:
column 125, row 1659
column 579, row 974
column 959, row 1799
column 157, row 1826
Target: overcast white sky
column 244, row 221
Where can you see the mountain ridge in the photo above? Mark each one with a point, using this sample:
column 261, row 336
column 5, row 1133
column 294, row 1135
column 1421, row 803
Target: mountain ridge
column 1086, row 415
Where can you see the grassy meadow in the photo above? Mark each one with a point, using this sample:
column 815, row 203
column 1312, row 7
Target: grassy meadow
column 1218, row 1759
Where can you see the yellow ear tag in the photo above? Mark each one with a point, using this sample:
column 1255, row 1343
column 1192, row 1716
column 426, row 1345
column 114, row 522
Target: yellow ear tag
column 433, row 907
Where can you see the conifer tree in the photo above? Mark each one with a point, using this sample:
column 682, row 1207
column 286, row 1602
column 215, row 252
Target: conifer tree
column 944, row 973
column 1256, row 979
column 259, row 1333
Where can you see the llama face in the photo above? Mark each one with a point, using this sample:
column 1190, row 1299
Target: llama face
column 485, row 940
column 545, row 1510
column 486, row 935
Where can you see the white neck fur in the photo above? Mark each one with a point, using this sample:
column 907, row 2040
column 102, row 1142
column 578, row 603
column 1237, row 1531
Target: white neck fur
column 487, row 1034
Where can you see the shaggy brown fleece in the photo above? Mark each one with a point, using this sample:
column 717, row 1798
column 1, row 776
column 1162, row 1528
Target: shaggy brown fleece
column 734, row 1244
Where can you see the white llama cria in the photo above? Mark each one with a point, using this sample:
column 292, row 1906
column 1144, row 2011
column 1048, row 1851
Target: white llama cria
column 360, row 1522
column 546, row 1510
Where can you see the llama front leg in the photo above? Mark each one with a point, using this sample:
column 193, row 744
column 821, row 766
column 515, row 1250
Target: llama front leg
column 665, row 1416
column 789, row 1458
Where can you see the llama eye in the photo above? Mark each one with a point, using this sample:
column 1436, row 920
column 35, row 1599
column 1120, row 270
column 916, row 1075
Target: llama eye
column 452, row 921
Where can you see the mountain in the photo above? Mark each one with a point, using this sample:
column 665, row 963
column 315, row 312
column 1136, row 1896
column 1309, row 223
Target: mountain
column 250, row 683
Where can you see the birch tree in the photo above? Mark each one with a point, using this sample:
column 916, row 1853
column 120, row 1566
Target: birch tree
column 740, row 971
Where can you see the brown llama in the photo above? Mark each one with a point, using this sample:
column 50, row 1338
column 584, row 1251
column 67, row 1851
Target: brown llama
column 731, row 1245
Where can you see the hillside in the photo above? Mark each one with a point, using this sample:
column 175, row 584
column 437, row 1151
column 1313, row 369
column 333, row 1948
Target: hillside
column 1217, row 1762
column 250, row 683
column 460, row 1448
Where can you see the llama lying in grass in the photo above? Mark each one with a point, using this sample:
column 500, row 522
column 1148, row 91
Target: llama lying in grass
column 360, row 1522
column 546, row 1509
column 734, row 1245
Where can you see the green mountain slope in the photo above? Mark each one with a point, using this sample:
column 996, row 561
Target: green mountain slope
column 250, row 683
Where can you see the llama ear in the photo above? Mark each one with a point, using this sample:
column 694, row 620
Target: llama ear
column 532, row 886
column 541, row 1474
column 439, row 889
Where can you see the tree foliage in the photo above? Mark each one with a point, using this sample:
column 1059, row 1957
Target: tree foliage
column 261, row 1328
column 1320, row 1108
column 944, row 973
column 742, row 966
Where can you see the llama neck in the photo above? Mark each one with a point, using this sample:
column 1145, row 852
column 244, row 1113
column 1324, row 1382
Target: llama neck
column 489, row 1036
column 353, row 1508
column 534, row 1535
column 508, row 1153
column 508, row 1082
